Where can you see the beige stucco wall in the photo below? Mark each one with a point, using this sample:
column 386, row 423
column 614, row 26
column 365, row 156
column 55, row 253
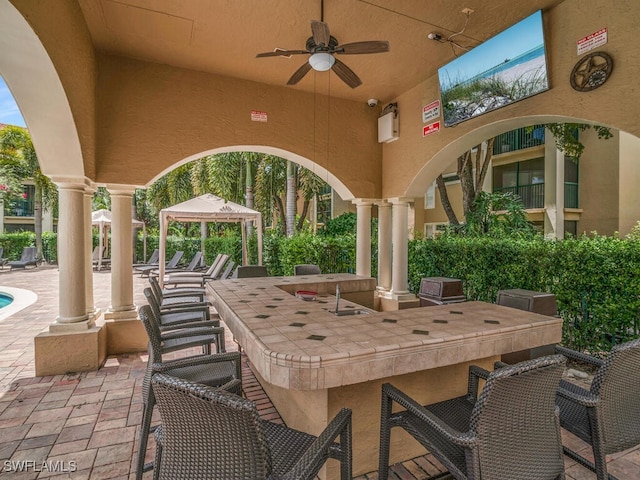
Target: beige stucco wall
column 152, row 116
column 412, row 162
column 629, row 198
column 599, row 180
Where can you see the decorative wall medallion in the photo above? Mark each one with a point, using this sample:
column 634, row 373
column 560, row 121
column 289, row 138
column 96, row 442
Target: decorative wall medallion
column 591, row 71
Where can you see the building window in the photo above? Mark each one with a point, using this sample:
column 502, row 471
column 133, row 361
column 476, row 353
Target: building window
column 430, row 197
column 432, row 230
column 571, row 227
column 524, row 179
column 571, row 199
column 24, row 206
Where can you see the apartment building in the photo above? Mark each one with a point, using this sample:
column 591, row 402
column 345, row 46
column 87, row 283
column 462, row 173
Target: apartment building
column 598, row 193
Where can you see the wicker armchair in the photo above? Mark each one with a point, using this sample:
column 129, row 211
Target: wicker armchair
column 250, row 271
column 607, row 416
column 213, row 370
column 306, row 269
column 210, row 434
column 511, row 431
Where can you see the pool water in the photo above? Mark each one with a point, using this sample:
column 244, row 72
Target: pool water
column 5, row 300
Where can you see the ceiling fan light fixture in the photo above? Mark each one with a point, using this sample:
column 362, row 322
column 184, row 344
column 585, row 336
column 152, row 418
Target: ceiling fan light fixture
column 321, row 61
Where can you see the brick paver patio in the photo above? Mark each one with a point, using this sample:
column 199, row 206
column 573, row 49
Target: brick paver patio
column 87, row 423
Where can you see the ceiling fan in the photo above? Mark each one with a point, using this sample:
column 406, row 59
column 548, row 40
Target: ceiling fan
column 322, row 48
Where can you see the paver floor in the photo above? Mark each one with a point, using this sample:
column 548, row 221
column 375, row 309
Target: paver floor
column 85, row 425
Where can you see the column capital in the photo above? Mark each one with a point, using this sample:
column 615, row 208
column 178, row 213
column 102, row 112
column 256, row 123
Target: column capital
column 365, row 202
column 400, row 200
column 126, row 190
column 383, row 202
column 73, row 183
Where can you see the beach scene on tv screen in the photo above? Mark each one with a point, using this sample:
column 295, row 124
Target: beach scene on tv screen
column 504, row 69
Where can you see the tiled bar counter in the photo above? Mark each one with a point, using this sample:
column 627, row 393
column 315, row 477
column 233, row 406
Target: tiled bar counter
column 312, row 362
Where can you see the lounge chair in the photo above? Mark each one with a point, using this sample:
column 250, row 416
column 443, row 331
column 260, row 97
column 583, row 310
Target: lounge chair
column 173, row 263
column 28, row 258
column 153, row 260
column 198, row 278
column 3, row 261
column 100, row 263
column 194, row 264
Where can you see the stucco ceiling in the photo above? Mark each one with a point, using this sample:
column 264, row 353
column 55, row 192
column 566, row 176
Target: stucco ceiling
column 224, row 36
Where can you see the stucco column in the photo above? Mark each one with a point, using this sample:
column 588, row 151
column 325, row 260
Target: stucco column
column 553, row 188
column 400, row 248
column 363, row 236
column 122, row 306
column 88, row 251
column 71, row 259
column 384, row 246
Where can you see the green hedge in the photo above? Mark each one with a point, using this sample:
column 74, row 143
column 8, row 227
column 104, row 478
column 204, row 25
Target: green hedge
column 596, row 280
column 13, row 243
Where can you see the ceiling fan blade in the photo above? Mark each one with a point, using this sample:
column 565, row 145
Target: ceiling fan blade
column 345, row 74
column 298, row 74
column 373, row 46
column 320, row 31
column 281, row 53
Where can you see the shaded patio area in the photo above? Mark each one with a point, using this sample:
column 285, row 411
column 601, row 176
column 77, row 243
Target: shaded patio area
column 92, row 418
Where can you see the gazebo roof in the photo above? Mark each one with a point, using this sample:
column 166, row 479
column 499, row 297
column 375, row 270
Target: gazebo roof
column 209, row 208
column 103, row 216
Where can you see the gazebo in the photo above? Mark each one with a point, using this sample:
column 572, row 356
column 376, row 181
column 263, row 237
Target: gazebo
column 102, row 219
column 209, row 208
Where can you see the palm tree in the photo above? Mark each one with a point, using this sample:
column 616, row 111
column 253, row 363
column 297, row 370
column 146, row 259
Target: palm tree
column 292, row 195
column 19, row 156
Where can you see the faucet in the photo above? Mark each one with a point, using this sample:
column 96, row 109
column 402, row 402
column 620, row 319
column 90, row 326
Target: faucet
column 337, row 297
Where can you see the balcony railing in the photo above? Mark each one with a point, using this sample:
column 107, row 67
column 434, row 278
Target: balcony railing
column 23, row 208
column 519, row 139
column 532, row 196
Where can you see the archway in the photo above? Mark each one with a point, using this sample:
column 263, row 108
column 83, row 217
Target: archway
column 37, row 89
column 333, row 181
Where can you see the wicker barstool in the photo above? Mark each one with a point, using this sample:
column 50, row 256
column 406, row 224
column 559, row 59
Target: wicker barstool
column 306, row 269
column 211, row 434
column 607, row 416
column 511, row 431
column 213, row 370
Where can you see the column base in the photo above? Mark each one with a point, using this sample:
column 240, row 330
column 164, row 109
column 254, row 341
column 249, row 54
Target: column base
column 61, row 352
column 125, row 332
column 387, row 301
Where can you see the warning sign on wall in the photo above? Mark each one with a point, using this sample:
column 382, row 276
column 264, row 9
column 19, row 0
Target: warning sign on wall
column 258, row 116
column 595, row 40
column 431, row 111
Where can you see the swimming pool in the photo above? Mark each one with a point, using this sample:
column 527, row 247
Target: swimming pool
column 5, row 299
column 12, row 300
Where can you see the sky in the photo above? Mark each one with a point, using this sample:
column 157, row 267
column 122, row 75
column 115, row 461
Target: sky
column 510, row 43
column 9, row 111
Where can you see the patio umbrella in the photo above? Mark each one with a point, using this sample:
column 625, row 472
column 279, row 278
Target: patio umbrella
column 102, row 219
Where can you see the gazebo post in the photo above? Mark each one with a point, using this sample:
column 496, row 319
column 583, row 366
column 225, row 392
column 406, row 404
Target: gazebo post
column 245, row 260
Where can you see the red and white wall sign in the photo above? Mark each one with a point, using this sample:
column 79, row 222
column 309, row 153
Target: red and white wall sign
column 431, row 111
column 258, row 116
column 431, row 128
column 595, row 40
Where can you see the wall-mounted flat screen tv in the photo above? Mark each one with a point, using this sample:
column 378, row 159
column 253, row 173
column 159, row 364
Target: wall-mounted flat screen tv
column 504, row 69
